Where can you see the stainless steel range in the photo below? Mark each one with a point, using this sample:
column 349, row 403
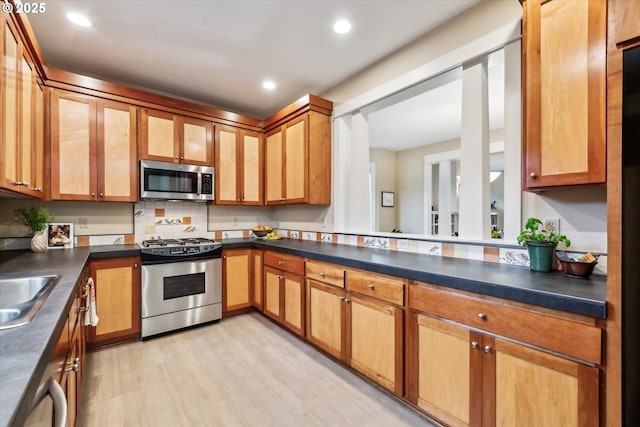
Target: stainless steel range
column 181, row 284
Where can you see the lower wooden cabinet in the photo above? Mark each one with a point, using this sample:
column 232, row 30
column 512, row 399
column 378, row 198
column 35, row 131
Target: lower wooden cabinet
column 236, row 279
column 465, row 377
column 258, row 260
column 284, row 298
column 117, row 282
column 326, row 318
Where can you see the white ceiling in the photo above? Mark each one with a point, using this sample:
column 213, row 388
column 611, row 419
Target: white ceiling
column 218, row 52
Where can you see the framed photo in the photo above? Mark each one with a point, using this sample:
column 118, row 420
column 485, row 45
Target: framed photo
column 60, row 235
column 388, row 199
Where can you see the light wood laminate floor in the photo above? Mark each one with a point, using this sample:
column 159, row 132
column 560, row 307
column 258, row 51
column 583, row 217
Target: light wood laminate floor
column 242, row 371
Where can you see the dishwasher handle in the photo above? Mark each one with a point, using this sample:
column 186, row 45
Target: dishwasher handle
column 53, row 388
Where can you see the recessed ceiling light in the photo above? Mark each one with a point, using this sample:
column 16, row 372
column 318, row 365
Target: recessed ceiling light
column 268, row 84
column 78, row 19
column 342, row 26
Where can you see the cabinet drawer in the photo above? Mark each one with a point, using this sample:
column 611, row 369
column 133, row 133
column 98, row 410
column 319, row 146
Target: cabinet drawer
column 564, row 336
column 327, row 273
column 387, row 288
column 291, row 263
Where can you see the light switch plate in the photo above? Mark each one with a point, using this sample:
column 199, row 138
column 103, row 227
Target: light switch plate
column 552, row 225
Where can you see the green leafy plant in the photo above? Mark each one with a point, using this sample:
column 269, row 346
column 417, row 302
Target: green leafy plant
column 532, row 232
column 36, row 218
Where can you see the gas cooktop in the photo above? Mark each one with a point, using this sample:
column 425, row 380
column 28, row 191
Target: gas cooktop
column 191, row 241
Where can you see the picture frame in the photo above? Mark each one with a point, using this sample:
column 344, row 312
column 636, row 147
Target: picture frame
column 388, row 199
column 59, row 235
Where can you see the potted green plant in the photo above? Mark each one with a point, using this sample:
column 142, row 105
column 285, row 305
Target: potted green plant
column 36, row 218
column 541, row 244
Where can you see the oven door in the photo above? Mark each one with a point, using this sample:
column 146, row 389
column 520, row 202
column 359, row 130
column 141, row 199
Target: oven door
column 177, row 286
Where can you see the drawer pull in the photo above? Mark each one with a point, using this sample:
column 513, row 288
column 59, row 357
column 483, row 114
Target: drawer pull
column 487, row 349
column 474, row 344
column 371, row 286
column 482, row 316
column 322, row 274
column 280, row 262
column 81, row 309
column 341, row 298
column 347, row 300
column 280, row 277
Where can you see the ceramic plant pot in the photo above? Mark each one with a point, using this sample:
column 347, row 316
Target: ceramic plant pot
column 541, row 255
column 39, row 241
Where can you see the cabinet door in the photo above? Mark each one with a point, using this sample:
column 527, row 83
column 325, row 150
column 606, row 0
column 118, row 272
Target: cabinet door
column 117, row 162
column 326, row 313
column 236, row 279
column 272, row 278
column 626, row 15
column 374, row 341
column 274, row 168
column 159, row 136
column 9, row 80
column 38, row 185
column 564, row 54
column 227, row 168
column 196, row 141
column 295, row 160
column 258, row 300
column 251, row 182
column 73, row 141
column 27, row 114
column 536, row 388
column 293, row 307
column 117, row 282
column 442, row 379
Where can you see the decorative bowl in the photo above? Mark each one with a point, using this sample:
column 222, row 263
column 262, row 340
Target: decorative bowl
column 262, row 233
column 577, row 268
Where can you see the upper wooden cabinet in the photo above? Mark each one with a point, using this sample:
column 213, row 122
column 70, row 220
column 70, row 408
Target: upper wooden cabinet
column 564, row 72
column 22, row 117
column 626, row 22
column 298, row 158
column 239, row 164
column 172, row 138
column 93, row 149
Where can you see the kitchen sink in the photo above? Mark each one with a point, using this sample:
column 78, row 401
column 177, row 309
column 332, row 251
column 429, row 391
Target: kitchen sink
column 22, row 297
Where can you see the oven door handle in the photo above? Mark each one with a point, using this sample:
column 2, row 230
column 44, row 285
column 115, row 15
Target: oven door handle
column 53, row 388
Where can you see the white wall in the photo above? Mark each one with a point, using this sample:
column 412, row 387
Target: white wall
column 385, row 161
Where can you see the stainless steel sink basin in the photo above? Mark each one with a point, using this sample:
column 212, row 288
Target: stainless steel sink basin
column 22, row 297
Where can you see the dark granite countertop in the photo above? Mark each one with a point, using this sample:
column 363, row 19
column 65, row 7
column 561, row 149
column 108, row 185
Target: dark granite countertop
column 26, row 351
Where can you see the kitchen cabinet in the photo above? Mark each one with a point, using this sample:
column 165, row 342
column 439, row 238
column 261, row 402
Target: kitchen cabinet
column 69, row 352
column 258, row 261
column 626, row 21
column 284, row 292
column 352, row 315
column 22, row 113
column 239, row 166
column 117, row 287
column 564, row 89
column 93, row 149
column 468, row 363
column 169, row 137
column 236, row 279
column 298, row 161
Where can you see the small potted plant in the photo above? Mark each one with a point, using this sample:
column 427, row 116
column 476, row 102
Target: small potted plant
column 36, row 218
column 541, row 244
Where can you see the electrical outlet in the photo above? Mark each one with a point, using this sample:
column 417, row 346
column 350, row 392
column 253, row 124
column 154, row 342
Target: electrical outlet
column 235, row 220
column 83, row 222
column 552, row 225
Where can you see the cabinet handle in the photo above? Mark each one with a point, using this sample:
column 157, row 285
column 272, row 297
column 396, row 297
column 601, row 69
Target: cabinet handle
column 135, row 265
column 347, row 300
column 487, row 349
column 21, row 183
column 322, row 274
column 533, row 175
column 181, row 157
column 74, row 368
column 237, row 200
column 280, row 277
column 371, row 286
column 39, row 189
column 474, row 344
column 482, row 316
column 93, row 194
column 101, row 195
column 82, row 309
column 74, row 361
column 341, row 298
column 224, row 257
column 280, row 262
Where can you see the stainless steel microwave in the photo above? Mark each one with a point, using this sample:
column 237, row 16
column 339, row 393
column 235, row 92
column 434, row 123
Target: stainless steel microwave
column 176, row 181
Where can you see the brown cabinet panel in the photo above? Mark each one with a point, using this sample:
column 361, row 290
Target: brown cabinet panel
column 258, row 289
column 387, row 288
column 272, row 293
column 291, row 263
column 326, row 314
column 564, row 60
column 626, row 23
column 236, row 279
column 325, row 272
column 293, row 296
column 117, row 283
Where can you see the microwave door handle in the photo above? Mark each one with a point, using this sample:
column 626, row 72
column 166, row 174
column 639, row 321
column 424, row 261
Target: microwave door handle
column 199, row 190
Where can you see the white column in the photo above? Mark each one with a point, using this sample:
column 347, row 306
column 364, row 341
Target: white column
column 512, row 142
column 475, row 216
column 340, row 175
column 445, row 201
column 428, row 196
